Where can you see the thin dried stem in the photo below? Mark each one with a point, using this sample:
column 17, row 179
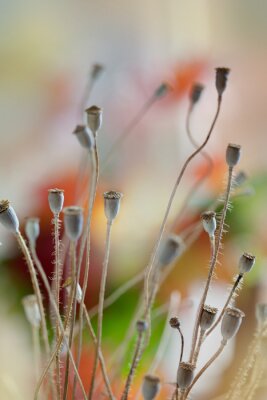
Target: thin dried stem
column 100, row 307
column 36, row 351
column 206, row 366
column 38, row 294
column 229, row 299
column 61, row 327
column 101, row 358
column 86, row 240
column 150, row 266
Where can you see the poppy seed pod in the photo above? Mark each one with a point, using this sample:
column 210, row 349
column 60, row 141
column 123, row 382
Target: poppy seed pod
column 208, row 316
column 79, row 292
column 8, row 217
column 56, row 200
column 209, row 222
column 112, row 202
column 185, row 375
column 246, row 263
column 32, row 229
column 97, row 70
column 233, row 153
column 261, row 313
column 170, row 249
column 150, row 387
column 94, row 118
column 141, row 326
column 231, row 322
column 32, row 310
column 240, row 178
column 174, row 322
column 196, row 92
column 84, row 136
column 73, row 222
column 162, row 90
column 221, row 79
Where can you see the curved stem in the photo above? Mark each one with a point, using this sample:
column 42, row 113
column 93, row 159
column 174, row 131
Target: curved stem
column 61, row 327
column 214, row 258
column 206, row 366
column 163, row 225
column 101, row 358
column 100, row 307
column 86, row 240
column 38, row 294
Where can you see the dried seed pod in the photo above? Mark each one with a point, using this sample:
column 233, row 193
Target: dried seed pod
column 196, row 92
column 170, row 249
column 162, row 90
column 240, row 178
column 32, row 310
column 32, row 229
column 221, row 79
column 97, row 70
column 141, row 326
column 150, row 387
column 208, row 316
column 246, row 263
column 94, row 118
column 8, row 216
column 79, row 292
column 112, row 202
column 56, row 200
column 185, row 375
column 261, row 313
column 231, row 322
column 209, row 222
column 73, row 222
column 174, row 322
column 233, row 153
column 84, row 136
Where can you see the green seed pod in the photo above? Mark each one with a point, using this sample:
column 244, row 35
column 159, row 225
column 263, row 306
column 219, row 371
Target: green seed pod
column 170, row 248
column 208, row 316
column 112, row 201
column 84, row 136
column 56, row 200
column 73, row 222
column 233, row 153
column 209, row 222
column 246, row 263
column 231, row 322
column 94, row 118
column 32, row 229
column 185, row 375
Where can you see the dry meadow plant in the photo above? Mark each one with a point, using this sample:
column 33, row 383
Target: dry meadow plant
column 57, row 362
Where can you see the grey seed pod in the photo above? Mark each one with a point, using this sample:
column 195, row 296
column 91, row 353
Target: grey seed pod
column 170, row 248
column 233, row 153
column 73, row 222
column 150, row 387
column 32, row 229
column 231, row 322
column 56, row 200
column 162, row 90
column 97, row 70
column 32, row 310
column 84, row 136
column 221, row 79
column 196, row 92
column 208, row 316
column 141, row 326
column 261, row 313
column 94, row 118
column 209, row 222
column 246, row 263
column 174, row 322
column 112, row 202
column 8, row 216
column 240, row 178
column 185, row 375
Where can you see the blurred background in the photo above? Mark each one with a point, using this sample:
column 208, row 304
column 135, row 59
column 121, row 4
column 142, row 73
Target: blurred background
column 47, row 51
